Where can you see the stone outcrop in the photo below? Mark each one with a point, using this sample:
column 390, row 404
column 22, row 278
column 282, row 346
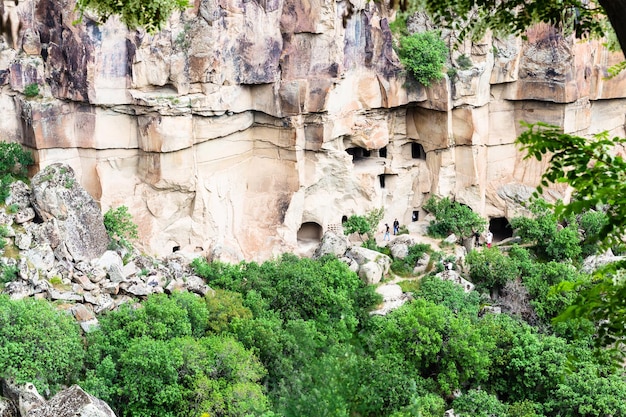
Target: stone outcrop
column 88, row 281
column 22, row 397
column 242, row 125
column 372, row 265
column 24, row 401
column 70, row 215
column 73, row 402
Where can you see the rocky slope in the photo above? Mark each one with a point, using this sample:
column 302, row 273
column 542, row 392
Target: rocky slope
column 248, row 128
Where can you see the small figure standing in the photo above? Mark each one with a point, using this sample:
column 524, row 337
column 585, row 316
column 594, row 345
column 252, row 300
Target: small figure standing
column 396, row 227
column 386, row 236
column 489, row 238
column 476, row 239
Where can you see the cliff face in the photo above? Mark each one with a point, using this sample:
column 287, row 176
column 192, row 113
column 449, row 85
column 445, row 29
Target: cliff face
column 245, row 128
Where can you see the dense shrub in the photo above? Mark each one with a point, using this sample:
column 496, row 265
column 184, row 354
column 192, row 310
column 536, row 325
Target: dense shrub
column 452, row 217
column 14, row 163
column 404, row 267
column 490, row 268
column 423, row 55
column 478, row 403
column 158, row 359
column 448, row 294
column 38, row 344
column 120, row 227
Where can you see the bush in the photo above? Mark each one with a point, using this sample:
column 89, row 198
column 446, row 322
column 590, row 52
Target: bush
column 490, row 268
column 38, row 344
column 356, row 224
column 464, row 62
column 452, row 217
column 8, row 273
column 404, row 267
column 148, row 14
column 423, row 55
column 120, row 227
column 31, row 90
column 478, row 403
column 14, row 160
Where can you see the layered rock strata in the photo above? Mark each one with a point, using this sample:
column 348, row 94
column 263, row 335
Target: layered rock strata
column 249, row 128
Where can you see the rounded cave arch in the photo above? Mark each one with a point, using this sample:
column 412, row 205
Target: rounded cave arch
column 310, row 232
column 501, row 228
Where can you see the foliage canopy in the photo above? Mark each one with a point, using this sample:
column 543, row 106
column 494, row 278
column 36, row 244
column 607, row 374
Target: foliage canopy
column 148, row 14
column 423, row 55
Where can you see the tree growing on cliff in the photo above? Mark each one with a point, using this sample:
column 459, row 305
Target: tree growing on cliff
column 147, row 14
column 581, row 17
column 423, row 55
column 452, row 217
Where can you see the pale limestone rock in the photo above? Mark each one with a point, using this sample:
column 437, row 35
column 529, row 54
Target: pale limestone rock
column 23, row 240
column 82, row 313
column 139, row 290
column 451, row 275
column 64, row 295
column 18, row 290
column 7, row 408
column 111, row 262
column 422, row 264
column 40, row 256
column 197, row 285
column 372, row 265
column 332, row 243
column 57, row 195
column 74, row 402
column 371, row 272
column 25, row 396
column 393, row 298
column 84, row 282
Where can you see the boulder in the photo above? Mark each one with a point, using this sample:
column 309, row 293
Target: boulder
column 112, row 263
column 19, row 195
column 197, row 285
column 73, row 402
column 56, row 194
column 592, row 263
column 25, row 396
column 332, row 243
column 393, row 297
column 7, row 408
column 371, row 273
column 399, row 246
column 422, row 264
column 450, row 275
column 41, row 257
column 373, row 266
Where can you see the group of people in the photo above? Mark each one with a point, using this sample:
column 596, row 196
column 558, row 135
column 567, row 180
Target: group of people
column 488, row 238
column 396, row 230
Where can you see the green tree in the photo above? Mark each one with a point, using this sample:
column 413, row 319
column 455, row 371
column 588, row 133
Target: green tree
column 356, row 224
column 120, row 227
column 147, row 14
column 449, row 294
column 14, row 163
column 158, row 360
column 514, row 16
column 38, row 344
column 452, row 217
column 423, row 55
column 491, row 269
column 478, row 403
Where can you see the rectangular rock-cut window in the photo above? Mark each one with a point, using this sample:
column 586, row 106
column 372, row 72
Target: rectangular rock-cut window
column 417, row 151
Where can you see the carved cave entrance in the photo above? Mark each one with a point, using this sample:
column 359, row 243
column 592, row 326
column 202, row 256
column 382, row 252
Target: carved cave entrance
column 310, row 232
column 501, row 228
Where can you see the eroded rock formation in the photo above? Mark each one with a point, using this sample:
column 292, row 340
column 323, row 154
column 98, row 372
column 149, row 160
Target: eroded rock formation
column 246, row 127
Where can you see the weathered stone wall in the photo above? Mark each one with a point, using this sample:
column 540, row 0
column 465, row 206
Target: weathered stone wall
column 243, row 120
